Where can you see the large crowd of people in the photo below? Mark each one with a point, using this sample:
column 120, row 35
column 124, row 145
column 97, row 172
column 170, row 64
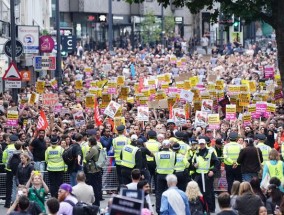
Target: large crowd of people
column 170, row 123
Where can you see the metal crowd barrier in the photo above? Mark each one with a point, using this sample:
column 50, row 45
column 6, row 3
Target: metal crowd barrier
column 110, row 182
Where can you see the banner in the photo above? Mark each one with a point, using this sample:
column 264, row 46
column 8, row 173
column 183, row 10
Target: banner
column 247, row 119
column 50, row 99
column 143, row 114
column 40, row 87
column 79, row 118
column 269, row 72
column 12, row 118
column 111, row 109
column 90, row 101
column 231, row 112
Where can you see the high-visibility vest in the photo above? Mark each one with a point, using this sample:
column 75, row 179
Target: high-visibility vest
column 181, row 162
column 275, row 170
column 8, row 152
column 128, row 156
column 231, row 152
column 85, row 148
column 118, row 143
column 165, row 161
column 264, row 150
column 53, row 158
column 212, row 149
column 153, row 146
column 203, row 163
column 191, row 154
column 184, row 148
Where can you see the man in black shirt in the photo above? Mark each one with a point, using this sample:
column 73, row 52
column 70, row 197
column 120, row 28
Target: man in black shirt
column 77, row 154
column 38, row 147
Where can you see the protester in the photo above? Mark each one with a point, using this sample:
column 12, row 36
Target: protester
column 23, row 203
column 275, row 198
column 174, row 201
column 82, row 191
column 25, row 169
column 67, row 201
column 224, row 201
column 52, row 206
column 144, row 185
column 247, row 202
column 135, row 176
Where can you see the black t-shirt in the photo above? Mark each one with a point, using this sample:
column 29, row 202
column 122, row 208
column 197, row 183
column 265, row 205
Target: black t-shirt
column 227, row 213
column 76, row 150
column 39, row 147
column 144, row 152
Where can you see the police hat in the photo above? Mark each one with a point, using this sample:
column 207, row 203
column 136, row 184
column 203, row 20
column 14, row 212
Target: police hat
column 120, row 128
column 201, row 141
column 179, row 134
column 219, row 141
column 152, row 133
column 260, row 136
column 14, row 138
column 233, row 136
column 54, row 140
column 176, row 147
column 207, row 139
column 193, row 141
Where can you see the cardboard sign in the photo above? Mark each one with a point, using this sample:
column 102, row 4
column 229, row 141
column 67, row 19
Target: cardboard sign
column 50, row 99
column 231, row 112
column 33, row 98
column 79, row 118
column 271, row 108
column 179, row 116
column 111, row 109
column 78, row 84
column 118, row 121
column 53, row 83
column 126, row 206
column 120, row 80
column 269, row 72
column 214, row 121
column 247, row 119
column 201, row 119
column 40, row 86
column 90, row 101
column 143, row 114
column 207, row 105
column 12, row 118
column 186, row 95
column 112, row 87
column 58, row 107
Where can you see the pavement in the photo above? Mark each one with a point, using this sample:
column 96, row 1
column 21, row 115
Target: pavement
column 104, row 203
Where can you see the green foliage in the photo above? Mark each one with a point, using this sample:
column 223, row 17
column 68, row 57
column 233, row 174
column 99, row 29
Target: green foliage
column 169, row 25
column 150, row 29
column 44, row 32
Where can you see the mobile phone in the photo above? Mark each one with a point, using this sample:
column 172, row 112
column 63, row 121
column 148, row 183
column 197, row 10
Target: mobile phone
column 20, row 192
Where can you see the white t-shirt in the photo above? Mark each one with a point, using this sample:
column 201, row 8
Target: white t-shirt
column 132, row 186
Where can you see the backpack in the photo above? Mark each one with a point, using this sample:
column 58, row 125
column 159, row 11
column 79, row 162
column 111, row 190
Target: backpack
column 67, row 156
column 196, row 207
column 102, row 160
column 13, row 163
column 82, row 208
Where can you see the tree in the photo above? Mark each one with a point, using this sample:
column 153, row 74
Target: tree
column 150, row 29
column 169, row 26
column 269, row 11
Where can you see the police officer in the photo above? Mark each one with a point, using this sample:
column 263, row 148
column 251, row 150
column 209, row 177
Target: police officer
column 7, row 154
column 206, row 164
column 231, row 153
column 118, row 144
column 191, row 154
column 265, row 149
column 55, row 165
column 165, row 162
column 131, row 158
column 181, row 167
column 184, row 148
column 153, row 146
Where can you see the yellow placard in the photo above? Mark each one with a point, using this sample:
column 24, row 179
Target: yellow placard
column 197, row 105
column 180, row 85
column 90, row 101
column 168, row 77
column 40, row 87
column 187, row 85
column 78, row 84
column 244, row 88
column 118, row 121
column 151, row 82
column 120, row 80
column 143, row 100
column 252, row 108
column 213, row 119
column 194, row 81
column 164, row 85
column 130, row 100
column 252, row 86
column 106, row 98
column 32, row 99
column 101, row 83
column 271, row 107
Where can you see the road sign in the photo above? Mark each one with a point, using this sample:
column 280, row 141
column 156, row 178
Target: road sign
column 12, row 84
column 44, row 63
column 8, row 48
column 68, row 43
column 12, row 73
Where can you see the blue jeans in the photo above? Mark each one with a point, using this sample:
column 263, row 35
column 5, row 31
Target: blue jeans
column 14, row 189
column 73, row 181
column 248, row 176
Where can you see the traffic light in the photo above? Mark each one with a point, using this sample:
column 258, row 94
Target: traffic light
column 237, row 24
